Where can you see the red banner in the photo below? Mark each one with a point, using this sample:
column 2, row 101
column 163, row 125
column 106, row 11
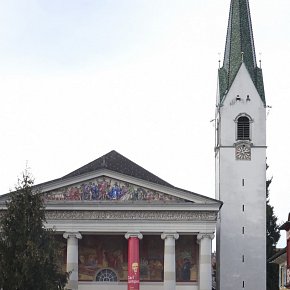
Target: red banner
column 133, row 264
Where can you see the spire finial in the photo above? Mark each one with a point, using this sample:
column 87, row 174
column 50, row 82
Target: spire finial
column 260, row 59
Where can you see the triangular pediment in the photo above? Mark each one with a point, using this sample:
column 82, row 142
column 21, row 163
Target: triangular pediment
column 114, row 179
column 106, row 188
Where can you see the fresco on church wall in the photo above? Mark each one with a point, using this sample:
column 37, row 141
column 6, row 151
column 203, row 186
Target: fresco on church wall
column 98, row 253
column 104, row 188
column 186, row 252
column 102, row 252
column 151, row 258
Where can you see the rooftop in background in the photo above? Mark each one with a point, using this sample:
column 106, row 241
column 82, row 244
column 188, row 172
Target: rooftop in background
column 286, row 225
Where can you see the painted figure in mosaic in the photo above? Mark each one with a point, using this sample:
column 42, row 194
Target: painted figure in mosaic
column 103, row 187
column 73, row 193
column 94, row 191
column 83, row 191
column 115, row 191
column 186, row 270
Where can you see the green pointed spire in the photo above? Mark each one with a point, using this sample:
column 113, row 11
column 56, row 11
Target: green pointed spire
column 240, row 49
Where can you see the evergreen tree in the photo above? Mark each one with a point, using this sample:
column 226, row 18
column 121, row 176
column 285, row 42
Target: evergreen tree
column 28, row 251
column 273, row 236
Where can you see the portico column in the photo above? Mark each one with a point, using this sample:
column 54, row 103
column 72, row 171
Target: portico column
column 133, row 260
column 169, row 260
column 72, row 259
column 205, row 275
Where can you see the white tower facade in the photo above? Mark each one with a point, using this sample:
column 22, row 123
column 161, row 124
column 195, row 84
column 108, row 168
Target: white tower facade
column 241, row 159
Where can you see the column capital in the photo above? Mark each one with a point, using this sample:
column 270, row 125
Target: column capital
column 134, row 235
column 68, row 235
column 201, row 236
column 172, row 235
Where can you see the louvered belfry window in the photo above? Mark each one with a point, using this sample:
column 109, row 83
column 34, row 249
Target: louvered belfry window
column 243, row 129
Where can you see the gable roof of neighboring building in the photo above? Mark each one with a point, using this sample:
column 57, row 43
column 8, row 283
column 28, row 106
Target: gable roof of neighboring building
column 279, row 257
column 240, row 49
column 286, row 225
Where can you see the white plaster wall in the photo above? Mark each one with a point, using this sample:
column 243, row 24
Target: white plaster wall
column 231, row 108
column 123, row 286
column 232, row 244
column 217, row 175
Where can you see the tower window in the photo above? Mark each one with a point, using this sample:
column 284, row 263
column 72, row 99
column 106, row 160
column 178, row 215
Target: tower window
column 243, row 128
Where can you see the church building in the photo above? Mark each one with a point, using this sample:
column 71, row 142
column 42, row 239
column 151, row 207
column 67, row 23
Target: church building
column 122, row 227
column 120, row 224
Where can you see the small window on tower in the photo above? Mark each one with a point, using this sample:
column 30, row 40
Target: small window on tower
column 243, row 128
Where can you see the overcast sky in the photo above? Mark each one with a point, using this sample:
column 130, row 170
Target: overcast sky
column 79, row 78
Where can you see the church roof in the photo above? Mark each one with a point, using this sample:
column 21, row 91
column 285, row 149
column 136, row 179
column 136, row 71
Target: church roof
column 114, row 161
column 240, row 49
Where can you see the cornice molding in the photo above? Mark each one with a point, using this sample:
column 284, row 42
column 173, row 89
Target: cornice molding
column 131, row 215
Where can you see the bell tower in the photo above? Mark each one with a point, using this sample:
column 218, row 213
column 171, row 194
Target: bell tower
column 240, row 156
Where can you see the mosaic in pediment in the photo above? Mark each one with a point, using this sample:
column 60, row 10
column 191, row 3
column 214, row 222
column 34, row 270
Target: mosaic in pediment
column 105, row 188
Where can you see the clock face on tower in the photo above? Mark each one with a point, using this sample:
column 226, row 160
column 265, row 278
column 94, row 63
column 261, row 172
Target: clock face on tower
column 243, row 152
